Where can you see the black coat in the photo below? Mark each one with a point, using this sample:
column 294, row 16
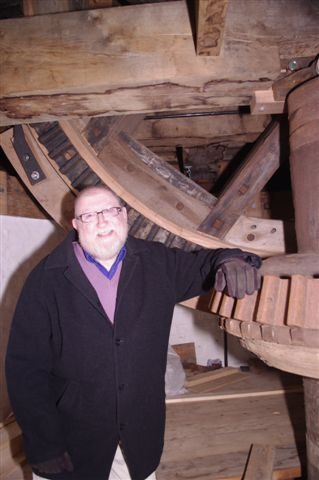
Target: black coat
column 80, row 384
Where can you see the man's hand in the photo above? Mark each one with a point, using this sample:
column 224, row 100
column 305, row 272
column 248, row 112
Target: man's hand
column 56, row 465
column 238, row 277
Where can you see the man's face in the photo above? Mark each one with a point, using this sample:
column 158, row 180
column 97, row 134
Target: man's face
column 104, row 237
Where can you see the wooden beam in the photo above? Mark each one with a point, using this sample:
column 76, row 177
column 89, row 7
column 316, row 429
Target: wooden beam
column 141, row 59
column 209, row 397
column 263, row 102
column 51, row 193
column 201, row 130
column 260, row 463
column 211, row 16
column 258, row 168
column 43, row 7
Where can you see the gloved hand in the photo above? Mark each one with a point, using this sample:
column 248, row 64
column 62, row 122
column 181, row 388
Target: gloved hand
column 56, row 465
column 238, row 277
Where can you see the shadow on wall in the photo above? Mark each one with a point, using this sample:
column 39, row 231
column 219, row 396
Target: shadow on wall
column 24, row 242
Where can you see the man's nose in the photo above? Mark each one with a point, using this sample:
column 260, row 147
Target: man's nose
column 101, row 218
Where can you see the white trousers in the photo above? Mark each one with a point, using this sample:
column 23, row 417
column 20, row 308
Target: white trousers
column 119, row 469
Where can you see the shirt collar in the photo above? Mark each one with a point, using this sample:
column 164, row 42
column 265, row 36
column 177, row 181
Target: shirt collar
column 108, row 273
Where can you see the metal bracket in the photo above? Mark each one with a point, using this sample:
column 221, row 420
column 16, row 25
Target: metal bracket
column 26, row 157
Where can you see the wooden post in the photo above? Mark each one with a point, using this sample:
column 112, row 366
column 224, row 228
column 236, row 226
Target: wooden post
column 303, row 110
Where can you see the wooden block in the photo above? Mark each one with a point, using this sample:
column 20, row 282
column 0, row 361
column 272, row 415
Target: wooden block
column 226, row 306
column 311, row 319
column 305, row 337
column 267, row 333
column 264, row 102
column 250, row 330
column 245, row 308
column 273, row 300
column 303, row 308
column 233, row 326
column 260, row 463
column 216, row 301
column 186, row 351
column 282, row 334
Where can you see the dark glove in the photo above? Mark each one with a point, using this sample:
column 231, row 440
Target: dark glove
column 238, row 277
column 56, row 465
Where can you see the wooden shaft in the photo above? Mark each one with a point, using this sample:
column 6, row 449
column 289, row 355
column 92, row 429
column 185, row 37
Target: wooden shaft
column 303, row 110
column 311, row 392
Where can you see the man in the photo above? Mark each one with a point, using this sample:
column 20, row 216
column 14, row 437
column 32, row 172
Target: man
column 87, row 352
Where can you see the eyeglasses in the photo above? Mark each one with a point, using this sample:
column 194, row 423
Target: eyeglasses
column 91, row 217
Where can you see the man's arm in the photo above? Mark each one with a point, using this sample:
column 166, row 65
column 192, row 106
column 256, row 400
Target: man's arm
column 226, row 269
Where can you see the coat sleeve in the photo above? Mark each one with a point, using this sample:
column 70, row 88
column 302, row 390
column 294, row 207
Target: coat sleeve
column 195, row 271
column 28, row 365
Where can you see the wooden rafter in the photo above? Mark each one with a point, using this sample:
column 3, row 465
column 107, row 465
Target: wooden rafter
column 142, row 59
column 258, row 168
column 42, row 7
column 210, row 25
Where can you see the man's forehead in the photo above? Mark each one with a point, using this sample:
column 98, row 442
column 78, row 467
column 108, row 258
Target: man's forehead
column 97, row 197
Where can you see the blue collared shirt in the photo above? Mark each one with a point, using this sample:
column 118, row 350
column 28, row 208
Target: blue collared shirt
column 108, row 273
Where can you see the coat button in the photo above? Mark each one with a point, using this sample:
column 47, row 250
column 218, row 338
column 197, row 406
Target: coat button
column 119, row 341
column 122, row 426
column 121, row 386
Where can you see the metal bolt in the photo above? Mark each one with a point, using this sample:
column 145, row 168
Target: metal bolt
column 26, row 157
column 293, row 65
column 35, row 175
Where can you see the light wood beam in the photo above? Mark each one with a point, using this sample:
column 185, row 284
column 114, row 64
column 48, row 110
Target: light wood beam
column 249, row 179
column 142, row 59
column 260, row 463
column 210, row 23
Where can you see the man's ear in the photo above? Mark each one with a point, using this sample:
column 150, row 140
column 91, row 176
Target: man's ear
column 74, row 225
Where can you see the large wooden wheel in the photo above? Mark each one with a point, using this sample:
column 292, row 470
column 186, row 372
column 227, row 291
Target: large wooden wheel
column 55, row 160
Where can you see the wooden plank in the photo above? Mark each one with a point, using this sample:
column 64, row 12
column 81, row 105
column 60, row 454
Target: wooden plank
column 200, row 130
column 260, row 463
column 199, row 429
column 227, row 466
column 52, row 193
column 100, row 131
column 142, row 59
column 249, row 179
column 199, row 379
column 210, row 22
column 191, row 398
column 42, row 7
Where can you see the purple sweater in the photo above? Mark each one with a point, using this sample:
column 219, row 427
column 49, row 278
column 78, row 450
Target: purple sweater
column 105, row 288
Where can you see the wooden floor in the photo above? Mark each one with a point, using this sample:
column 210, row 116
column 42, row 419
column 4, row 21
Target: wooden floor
column 210, row 430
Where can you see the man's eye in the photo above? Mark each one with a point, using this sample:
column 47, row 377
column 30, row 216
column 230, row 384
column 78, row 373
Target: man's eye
column 89, row 216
